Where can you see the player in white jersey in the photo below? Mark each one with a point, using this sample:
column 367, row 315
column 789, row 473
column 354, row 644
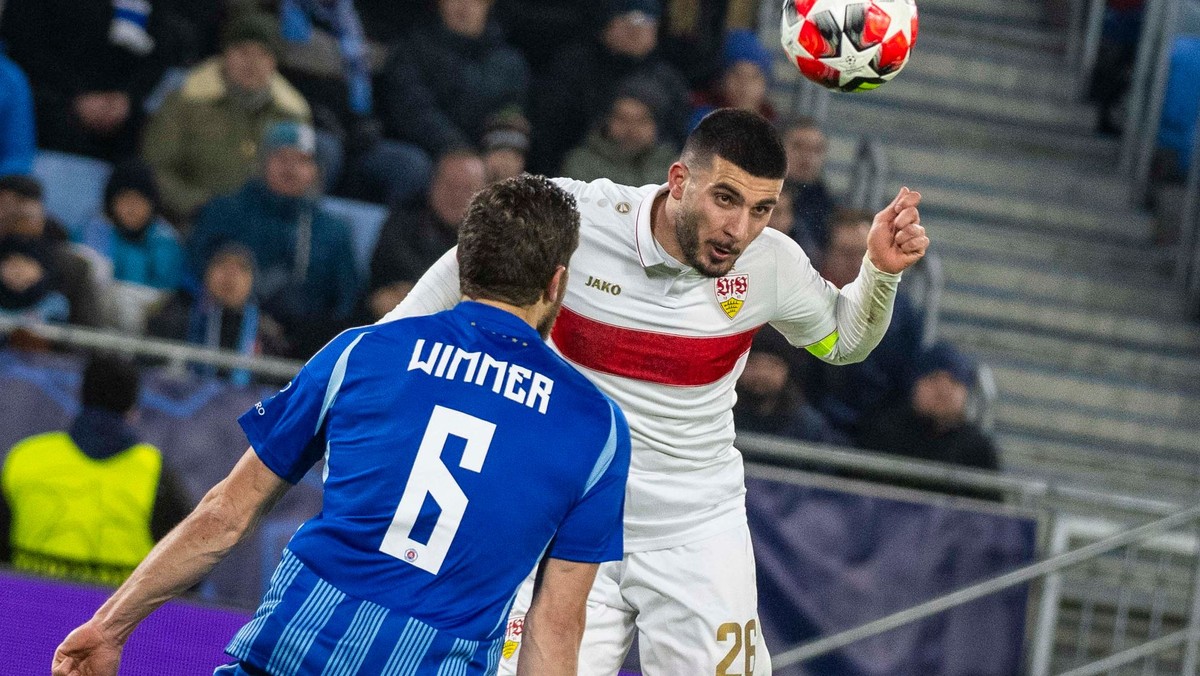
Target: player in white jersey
column 666, row 291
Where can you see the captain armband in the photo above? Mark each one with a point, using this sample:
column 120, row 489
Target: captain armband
column 823, row 347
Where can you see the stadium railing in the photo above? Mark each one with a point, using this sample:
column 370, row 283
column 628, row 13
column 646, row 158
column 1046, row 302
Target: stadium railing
column 1147, row 90
column 1130, row 589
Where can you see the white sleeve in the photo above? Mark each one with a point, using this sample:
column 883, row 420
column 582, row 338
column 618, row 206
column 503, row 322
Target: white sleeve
column 437, row 290
column 839, row 327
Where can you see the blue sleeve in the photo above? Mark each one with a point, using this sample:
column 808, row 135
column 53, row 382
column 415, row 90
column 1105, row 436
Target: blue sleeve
column 592, row 531
column 166, row 272
column 287, row 431
column 17, row 145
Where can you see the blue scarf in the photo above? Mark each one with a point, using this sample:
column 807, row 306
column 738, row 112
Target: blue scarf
column 204, row 328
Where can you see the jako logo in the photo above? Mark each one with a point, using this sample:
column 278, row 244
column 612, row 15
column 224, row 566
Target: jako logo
column 606, row 287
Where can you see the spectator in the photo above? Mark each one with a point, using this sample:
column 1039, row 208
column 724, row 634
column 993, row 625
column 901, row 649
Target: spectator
column 806, row 148
column 583, row 80
column 142, row 245
column 932, row 424
column 387, row 26
column 542, row 28
column 744, row 79
column 23, row 216
column 17, row 144
column 625, row 146
column 690, row 37
column 446, row 79
column 224, row 314
column 328, row 59
column 306, row 274
column 204, row 139
column 90, row 63
column 849, row 394
column 27, row 289
column 411, row 240
column 88, row 503
column 1114, row 61
column 769, row 400
column 505, row 144
column 783, row 216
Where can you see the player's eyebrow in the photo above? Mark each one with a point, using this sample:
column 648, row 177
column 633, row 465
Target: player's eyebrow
column 733, row 192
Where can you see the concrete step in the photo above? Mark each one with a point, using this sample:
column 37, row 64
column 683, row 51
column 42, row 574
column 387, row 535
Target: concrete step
column 991, row 173
column 1129, row 436
column 974, row 70
column 987, row 10
column 1105, row 400
column 987, row 310
column 944, row 129
column 988, row 29
column 1105, row 471
column 1029, row 246
column 1117, row 362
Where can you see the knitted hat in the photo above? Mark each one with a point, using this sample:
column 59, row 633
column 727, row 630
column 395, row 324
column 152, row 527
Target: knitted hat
column 131, row 175
column 506, row 129
column 253, row 26
column 945, row 357
column 236, row 251
column 295, row 135
column 25, row 186
column 650, row 8
column 743, row 45
column 648, row 92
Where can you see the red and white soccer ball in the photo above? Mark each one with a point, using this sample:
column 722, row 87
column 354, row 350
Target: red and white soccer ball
column 849, row 45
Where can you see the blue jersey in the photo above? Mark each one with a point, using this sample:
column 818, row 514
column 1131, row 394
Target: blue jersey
column 458, row 450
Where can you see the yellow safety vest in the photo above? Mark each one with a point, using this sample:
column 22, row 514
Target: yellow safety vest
column 79, row 518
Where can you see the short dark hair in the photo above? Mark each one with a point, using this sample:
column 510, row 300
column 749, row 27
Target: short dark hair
column 742, row 137
column 515, row 235
column 110, row 382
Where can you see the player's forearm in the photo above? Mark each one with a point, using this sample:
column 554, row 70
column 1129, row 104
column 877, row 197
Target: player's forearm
column 864, row 310
column 177, row 562
column 550, row 647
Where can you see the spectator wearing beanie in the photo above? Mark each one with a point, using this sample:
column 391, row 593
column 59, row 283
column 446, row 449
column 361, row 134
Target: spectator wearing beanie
column 505, row 144
column 625, row 146
column 744, row 80
column 204, row 139
column 143, row 247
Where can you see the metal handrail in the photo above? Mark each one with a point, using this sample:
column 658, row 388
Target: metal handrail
column 985, row 588
column 771, row 450
column 170, row 350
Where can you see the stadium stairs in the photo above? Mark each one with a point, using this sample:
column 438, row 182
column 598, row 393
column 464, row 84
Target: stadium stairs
column 1052, row 277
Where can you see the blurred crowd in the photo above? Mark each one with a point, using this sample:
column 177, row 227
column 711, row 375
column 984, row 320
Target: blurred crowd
column 225, row 122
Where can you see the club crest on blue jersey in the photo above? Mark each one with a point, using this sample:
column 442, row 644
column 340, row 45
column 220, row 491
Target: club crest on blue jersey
column 731, row 293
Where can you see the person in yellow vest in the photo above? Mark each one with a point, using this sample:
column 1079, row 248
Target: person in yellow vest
column 87, row 504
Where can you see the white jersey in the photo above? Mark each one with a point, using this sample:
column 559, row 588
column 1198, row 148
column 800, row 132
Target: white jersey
column 668, row 344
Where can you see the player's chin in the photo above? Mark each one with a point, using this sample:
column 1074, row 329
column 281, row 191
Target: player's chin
column 710, row 268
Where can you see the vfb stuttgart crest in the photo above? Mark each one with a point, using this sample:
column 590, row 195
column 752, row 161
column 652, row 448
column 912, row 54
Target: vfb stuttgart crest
column 731, row 293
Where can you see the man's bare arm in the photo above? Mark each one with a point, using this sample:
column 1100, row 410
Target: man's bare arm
column 554, row 624
column 223, row 518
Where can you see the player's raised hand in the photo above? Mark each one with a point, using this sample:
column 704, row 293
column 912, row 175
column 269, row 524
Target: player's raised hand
column 897, row 239
column 87, row 652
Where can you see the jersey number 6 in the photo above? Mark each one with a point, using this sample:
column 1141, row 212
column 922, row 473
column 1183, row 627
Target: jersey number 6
column 431, row 477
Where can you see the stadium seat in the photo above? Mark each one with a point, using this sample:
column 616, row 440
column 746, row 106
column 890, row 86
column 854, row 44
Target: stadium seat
column 1182, row 101
column 923, row 284
column 365, row 220
column 74, row 185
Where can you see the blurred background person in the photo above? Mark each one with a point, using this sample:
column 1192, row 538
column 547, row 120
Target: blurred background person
column 447, row 78
column 582, row 80
column 204, row 139
column 27, row 288
column 505, row 145
column 17, row 134
column 625, row 146
column 744, row 79
column 813, row 202
column 224, row 313
column 307, row 277
column 88, row 503
column 770, row 401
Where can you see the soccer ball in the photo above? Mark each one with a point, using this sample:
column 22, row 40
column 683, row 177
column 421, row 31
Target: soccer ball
column 849, row 45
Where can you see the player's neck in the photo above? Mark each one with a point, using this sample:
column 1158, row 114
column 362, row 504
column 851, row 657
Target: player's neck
column 531, row 314
column 662, row 215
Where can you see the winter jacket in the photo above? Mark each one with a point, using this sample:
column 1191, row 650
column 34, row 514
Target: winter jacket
column 601, row 157
column 153, row 259
column 438, row 88
column 202, row 144
column 303, row 253
column 17, row 144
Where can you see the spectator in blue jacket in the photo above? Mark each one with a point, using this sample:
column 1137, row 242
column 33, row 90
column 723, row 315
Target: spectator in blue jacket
column 16, row 119
column 306, row 273
column 143, row 247
column 446, row 79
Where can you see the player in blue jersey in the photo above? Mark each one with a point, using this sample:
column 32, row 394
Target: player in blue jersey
column 433, row 431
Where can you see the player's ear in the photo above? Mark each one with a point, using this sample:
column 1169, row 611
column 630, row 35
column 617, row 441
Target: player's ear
column 677, row 176
column 557, row 287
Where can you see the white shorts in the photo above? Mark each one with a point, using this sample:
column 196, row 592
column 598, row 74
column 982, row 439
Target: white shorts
column 694, row 607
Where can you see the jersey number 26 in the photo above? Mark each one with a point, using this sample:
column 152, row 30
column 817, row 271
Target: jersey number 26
column 431, row 477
